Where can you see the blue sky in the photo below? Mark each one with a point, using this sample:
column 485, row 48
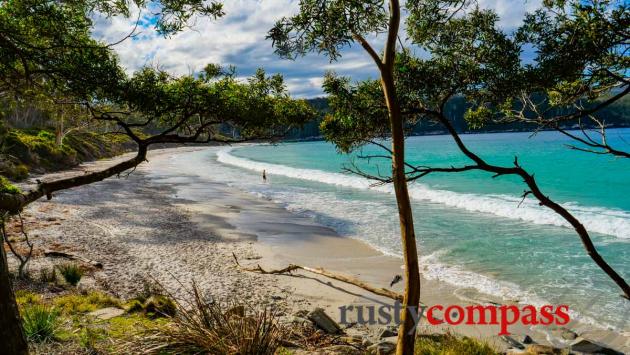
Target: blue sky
column 239, row 39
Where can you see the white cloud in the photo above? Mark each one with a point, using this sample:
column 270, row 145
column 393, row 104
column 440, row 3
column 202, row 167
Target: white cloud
column 239, row 39
column 511, row 12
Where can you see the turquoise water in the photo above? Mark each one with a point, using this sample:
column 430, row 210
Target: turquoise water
column 471, row 231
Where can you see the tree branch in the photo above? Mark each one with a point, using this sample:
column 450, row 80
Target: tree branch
column 544, row 200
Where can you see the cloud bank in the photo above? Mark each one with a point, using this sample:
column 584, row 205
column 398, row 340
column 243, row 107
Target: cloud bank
column 239, row 39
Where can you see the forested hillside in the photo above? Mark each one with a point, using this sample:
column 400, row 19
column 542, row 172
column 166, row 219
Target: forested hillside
column 615, row 115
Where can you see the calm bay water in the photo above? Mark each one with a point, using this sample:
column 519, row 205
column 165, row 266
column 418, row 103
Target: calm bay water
column 471, row 231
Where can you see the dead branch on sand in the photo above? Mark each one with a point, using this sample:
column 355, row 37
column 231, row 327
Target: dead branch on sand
column 319, row 271
column 61, row 254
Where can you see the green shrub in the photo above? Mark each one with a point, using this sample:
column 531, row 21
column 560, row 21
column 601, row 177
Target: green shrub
column 6, row 186
column 40, row 322
column 72, row 273
column 449, row 344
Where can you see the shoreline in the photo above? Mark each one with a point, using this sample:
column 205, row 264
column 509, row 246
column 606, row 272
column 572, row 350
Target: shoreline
column 199, row 223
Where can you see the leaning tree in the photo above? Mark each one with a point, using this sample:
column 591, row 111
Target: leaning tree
column 46, row 47
column 327, row 27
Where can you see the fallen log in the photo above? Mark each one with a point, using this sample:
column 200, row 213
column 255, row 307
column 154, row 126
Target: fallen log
column 319, row 271
column 61, row 254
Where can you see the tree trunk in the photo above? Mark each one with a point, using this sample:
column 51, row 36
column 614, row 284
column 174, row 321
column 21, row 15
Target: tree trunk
column 411, row 299
column 11, row 333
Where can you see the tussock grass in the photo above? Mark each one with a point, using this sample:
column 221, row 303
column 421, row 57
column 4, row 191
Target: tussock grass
column 40, row 322
column 72, row 273
column 208, row 328
column 449, row 344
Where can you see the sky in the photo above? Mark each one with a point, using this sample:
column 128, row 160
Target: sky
column 238, row 39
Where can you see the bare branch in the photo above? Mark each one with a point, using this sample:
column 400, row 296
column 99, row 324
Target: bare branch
column 319, row 271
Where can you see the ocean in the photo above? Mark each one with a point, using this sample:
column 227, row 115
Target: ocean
column 471, row 231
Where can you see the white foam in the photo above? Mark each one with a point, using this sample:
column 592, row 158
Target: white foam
column 600, row 220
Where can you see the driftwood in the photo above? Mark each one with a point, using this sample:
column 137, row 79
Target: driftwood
column 61, row 254
column 319, row 271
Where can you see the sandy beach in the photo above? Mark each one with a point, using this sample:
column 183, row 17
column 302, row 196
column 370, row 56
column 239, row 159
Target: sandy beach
column 159, row 225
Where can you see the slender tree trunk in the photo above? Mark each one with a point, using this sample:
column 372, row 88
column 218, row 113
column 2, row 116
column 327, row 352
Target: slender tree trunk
column 11, row 334
column 411, row 299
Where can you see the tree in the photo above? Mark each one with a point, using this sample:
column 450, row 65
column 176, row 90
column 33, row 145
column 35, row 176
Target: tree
column 326, row 27
column 45, row 47
column 581, row 68
column 181, row 110
column 470, row 57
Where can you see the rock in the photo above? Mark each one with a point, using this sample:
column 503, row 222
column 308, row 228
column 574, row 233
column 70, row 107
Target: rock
column 512, row 342
column 538, row 349
column 382, row 348
column 388, row 332
column 585, row 346
column 564, row 333
column 323, row 321
column 107, row 313
column 527, row 340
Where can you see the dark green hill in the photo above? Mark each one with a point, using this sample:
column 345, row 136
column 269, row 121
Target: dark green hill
column 615, row 115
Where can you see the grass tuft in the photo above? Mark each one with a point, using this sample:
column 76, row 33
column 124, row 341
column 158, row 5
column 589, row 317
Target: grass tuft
column 208, row 328
column 40, row 322
column 72, row 273
column 449, row 344
column 48, row 275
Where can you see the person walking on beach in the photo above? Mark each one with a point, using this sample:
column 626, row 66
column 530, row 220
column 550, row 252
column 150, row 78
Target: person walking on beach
column 264, row 175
